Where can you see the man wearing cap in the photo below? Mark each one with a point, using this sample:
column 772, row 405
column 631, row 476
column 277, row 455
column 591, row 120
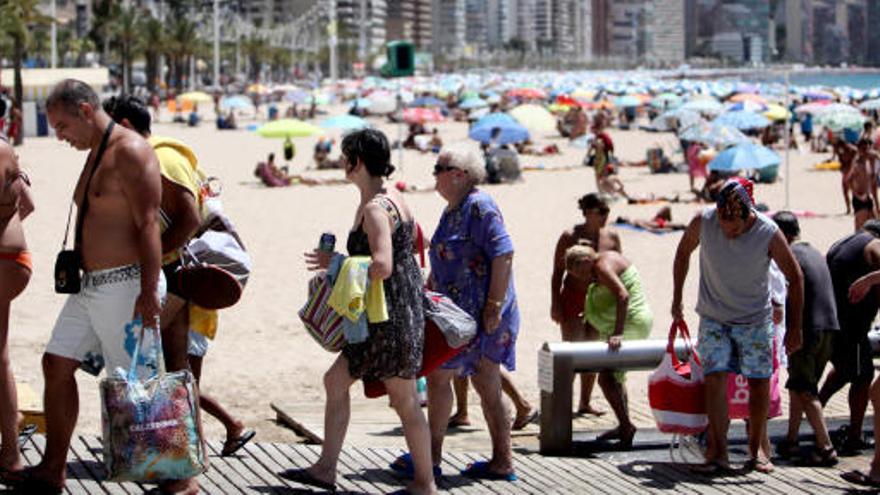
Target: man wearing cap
column 736, row 328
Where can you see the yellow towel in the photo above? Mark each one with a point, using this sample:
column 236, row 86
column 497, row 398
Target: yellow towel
column 350, row 297
column 203, row 321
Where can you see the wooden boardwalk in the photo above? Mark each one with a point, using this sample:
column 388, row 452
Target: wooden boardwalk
column 365, row 470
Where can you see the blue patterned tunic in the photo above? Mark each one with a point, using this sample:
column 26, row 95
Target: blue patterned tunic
column 467, row 239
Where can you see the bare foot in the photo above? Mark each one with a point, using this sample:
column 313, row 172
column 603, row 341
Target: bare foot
column 417, row 489
column 588, row 410
column 182, row 487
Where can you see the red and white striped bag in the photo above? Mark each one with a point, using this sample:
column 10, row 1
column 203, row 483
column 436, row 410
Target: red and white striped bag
column 322, row 322
column 676, row 389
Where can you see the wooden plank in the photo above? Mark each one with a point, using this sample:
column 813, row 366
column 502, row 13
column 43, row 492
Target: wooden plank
column 32, row 453
column 548, row 473
column 245, row 469
column 312, row 433
column 95, row 466
column 301, row 458
column 76, row 482
column 375, row 470
column 270, row 465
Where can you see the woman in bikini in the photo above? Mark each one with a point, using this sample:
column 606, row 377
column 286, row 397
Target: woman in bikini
column 567, row 292
column 15, row 271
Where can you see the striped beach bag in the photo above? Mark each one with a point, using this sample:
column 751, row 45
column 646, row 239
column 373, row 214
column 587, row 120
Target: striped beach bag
column 321, row 321
column 676, row 390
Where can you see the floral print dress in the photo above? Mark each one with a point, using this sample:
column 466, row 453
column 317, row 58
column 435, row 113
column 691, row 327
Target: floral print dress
column 468, row 237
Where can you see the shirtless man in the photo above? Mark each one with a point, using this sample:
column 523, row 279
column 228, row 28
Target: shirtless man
column 567, row 294
column 861, row 179
column 845, row 153
column 120, row 252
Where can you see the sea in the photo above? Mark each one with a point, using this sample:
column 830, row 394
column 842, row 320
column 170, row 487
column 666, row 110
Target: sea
column 864, row 81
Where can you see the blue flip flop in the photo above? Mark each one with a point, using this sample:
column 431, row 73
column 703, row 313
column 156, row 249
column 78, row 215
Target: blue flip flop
column 480, row 470
column 404, row 465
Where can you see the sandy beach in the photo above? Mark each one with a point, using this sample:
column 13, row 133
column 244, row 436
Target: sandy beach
column 263, row 354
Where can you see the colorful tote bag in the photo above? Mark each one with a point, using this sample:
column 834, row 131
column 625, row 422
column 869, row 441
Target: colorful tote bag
column 322, row 322
column 151, row 426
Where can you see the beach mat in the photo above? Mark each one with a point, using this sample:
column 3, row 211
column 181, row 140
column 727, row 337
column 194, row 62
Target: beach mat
column 640, row 229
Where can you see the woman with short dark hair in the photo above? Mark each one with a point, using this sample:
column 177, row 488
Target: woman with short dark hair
column 392, row 352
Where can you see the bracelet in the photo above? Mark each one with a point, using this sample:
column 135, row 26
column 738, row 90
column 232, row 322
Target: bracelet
column 497, row 304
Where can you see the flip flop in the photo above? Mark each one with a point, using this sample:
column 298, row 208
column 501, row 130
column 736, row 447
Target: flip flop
column 763, row 466
column 25, row 435
column 711, row 468
column 480, row 470
column 454, row 422
column 524, row 421
column 404, row 465
column 36, row 486
column 303, row 477
column 860, row 478
column 232, row 446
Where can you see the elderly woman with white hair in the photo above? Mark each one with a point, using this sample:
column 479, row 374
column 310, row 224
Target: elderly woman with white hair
column 471, row 259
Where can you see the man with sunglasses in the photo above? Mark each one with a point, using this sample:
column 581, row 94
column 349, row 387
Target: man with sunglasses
column 736, row 329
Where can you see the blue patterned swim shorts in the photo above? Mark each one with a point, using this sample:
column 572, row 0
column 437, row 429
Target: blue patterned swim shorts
column 741, row 349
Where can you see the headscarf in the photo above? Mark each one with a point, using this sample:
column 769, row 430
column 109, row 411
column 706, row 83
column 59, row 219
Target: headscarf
column 735, row 199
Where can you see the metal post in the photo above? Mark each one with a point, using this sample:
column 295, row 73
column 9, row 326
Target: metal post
column 54, row 36
column 332, row 32
column 217, row 43
column 788, row 138
column 400, row 127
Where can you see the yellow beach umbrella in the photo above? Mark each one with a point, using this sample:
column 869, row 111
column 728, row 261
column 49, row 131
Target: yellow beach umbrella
column 196, row 97
column 257, row 88
column 288, row 128
column 740, row 97
column 776, row 112
column 534, row 118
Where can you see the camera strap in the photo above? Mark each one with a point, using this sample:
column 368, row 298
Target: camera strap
column 81, row 212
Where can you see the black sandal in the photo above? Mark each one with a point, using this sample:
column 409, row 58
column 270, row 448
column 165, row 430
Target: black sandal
column 821, row 458
column 786, row 449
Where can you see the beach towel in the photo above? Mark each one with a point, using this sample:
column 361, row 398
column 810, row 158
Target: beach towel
column 641, row 229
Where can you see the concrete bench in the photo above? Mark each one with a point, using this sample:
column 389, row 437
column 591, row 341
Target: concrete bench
column 558, row 362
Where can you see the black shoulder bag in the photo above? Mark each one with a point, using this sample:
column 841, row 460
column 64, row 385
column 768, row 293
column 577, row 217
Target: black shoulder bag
column 68, row 264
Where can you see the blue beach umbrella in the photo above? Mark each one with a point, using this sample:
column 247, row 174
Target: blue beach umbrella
column 344, row 122
column 361, row 103
column 472, row 103
column 496, row 118
column 510, row 133
column 743, row 157
column 743, row 120
column 704, row 105
column 236, row 102
column 714, row 135
column 627, row 101
column 427, row 101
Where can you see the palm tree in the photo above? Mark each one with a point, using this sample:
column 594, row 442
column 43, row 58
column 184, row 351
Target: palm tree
column 181, row 46
column 126, row 30
column 16, row 19
column 155, row 40
column 256, row 49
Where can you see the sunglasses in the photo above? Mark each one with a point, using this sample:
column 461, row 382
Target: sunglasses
column 439, row 168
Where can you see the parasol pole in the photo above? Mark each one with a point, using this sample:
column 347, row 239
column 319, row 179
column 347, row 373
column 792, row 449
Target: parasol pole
column 400, row 127
column 788, row 138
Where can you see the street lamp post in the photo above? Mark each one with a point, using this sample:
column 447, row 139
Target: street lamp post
column 216, row 43
column 54, row 37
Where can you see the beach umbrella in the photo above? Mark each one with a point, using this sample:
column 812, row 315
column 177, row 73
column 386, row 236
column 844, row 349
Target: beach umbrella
column 534, row 117
column 627, row 101
column 748, row 105
column 382, row 103
column 236, row 102
column 818, row 95
column 257, row 88
column 527, row 93
column 870, row 104
column 714, row 134
column 422, row 115
column 288, row 128
column 510, row 133
column 741, row 97
column 496, row 118
column 472, row 103
column 743, row 157
column 345, row 122
column 815, row 107
column 196, row 97
column 776, row 112
column 427, row 101
column 297, row 96
column 666, row 100
column 743, row 120
column 839, row 120
column 704, row 105
column 583, row 94
column 684, row 118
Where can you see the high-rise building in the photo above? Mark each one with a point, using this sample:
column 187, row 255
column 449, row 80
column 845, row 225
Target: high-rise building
column 362, row 19
column 628, row 21
column 449, row 28
column 544, row 23
column 601, row 28
column 410, row 20
column 665, row 30
column 873, row 35
column 799, row 31
column 852, row 17
column 830, row 42
column 476, row 25
column 690, row 27
column 525, row 22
